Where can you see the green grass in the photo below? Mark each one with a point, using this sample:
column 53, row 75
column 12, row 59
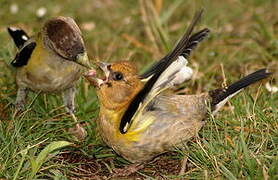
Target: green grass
column 240, row 143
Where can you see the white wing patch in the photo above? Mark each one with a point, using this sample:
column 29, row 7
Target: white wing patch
column 24, row 37
column 14, row 28
column 175, row 74
column 183, row 75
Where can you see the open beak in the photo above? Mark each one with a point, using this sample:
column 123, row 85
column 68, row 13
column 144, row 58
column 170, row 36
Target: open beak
column 105, row 67
column 91, row 75
column 83, row 60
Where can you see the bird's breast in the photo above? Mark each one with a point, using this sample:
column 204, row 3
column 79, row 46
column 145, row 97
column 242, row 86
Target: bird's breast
column 131, row 145
column 47, row 72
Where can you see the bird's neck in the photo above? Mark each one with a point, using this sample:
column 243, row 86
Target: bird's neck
column 112, row 116
column 108, row 124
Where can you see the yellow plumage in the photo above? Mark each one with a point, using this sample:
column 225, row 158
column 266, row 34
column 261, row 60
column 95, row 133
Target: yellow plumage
column 139, row 120
column 50, row 61
column 162, row 123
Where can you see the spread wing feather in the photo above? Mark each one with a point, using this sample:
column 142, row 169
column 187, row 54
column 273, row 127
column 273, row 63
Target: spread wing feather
column 163, row 72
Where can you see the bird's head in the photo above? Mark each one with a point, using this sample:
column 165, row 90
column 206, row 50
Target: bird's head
column 63, row 36
column 118, row 86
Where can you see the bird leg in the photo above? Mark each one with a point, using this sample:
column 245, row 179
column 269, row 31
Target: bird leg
column 78, row 131
column 183, row 165
column 20, row 99
column 69, row 97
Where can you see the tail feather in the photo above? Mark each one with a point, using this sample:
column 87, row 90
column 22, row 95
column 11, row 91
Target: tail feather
column 19, row 36
column 220, row 96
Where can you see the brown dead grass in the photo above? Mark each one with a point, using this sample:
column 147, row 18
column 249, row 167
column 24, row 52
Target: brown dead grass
column 85, row 167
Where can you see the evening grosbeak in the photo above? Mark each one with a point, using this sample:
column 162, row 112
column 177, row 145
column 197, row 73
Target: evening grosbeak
column 51, row 61
column 139, row 120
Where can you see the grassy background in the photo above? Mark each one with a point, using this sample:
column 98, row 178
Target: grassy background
column 241, row 142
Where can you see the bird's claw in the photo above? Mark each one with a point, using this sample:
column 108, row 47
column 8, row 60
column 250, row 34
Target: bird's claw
column 70, row 109
column 19, row 107
column 78, row 131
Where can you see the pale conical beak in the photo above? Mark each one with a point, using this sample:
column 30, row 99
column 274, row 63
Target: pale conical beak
column 83, row 60
column 105, row 67
column 91, row 77
column 91, row 74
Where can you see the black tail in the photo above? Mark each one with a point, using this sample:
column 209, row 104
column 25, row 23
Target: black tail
column 19, row 36
column 223, row 94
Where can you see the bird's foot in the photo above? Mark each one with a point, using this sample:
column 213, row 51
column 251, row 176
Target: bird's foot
column 183, row 165
column 20, row 99
column 70, row 108
column 127, row 171
column 78, row 131
column 19, row 106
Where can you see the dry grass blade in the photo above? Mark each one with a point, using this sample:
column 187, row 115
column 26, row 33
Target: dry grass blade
column 159, row 31
column 147, row 27
column 158, row 5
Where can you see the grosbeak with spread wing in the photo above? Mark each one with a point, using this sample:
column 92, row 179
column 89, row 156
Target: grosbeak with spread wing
column 139, row 120
column 51, row 61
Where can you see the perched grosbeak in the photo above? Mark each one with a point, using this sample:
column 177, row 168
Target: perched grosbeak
column 138, row 120
column 49, row 61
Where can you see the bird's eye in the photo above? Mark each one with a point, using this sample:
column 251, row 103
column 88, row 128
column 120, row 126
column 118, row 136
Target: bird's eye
column 117, row 76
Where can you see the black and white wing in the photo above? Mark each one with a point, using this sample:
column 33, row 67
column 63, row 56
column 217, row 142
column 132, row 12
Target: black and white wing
column 163, row 74
column 18, row 35
column 24, row 54
column 25, row 46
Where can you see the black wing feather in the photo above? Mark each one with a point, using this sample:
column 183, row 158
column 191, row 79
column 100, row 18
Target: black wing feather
column 193, row 41
column 22, row 57
column 19, row 36
column 185, row 43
